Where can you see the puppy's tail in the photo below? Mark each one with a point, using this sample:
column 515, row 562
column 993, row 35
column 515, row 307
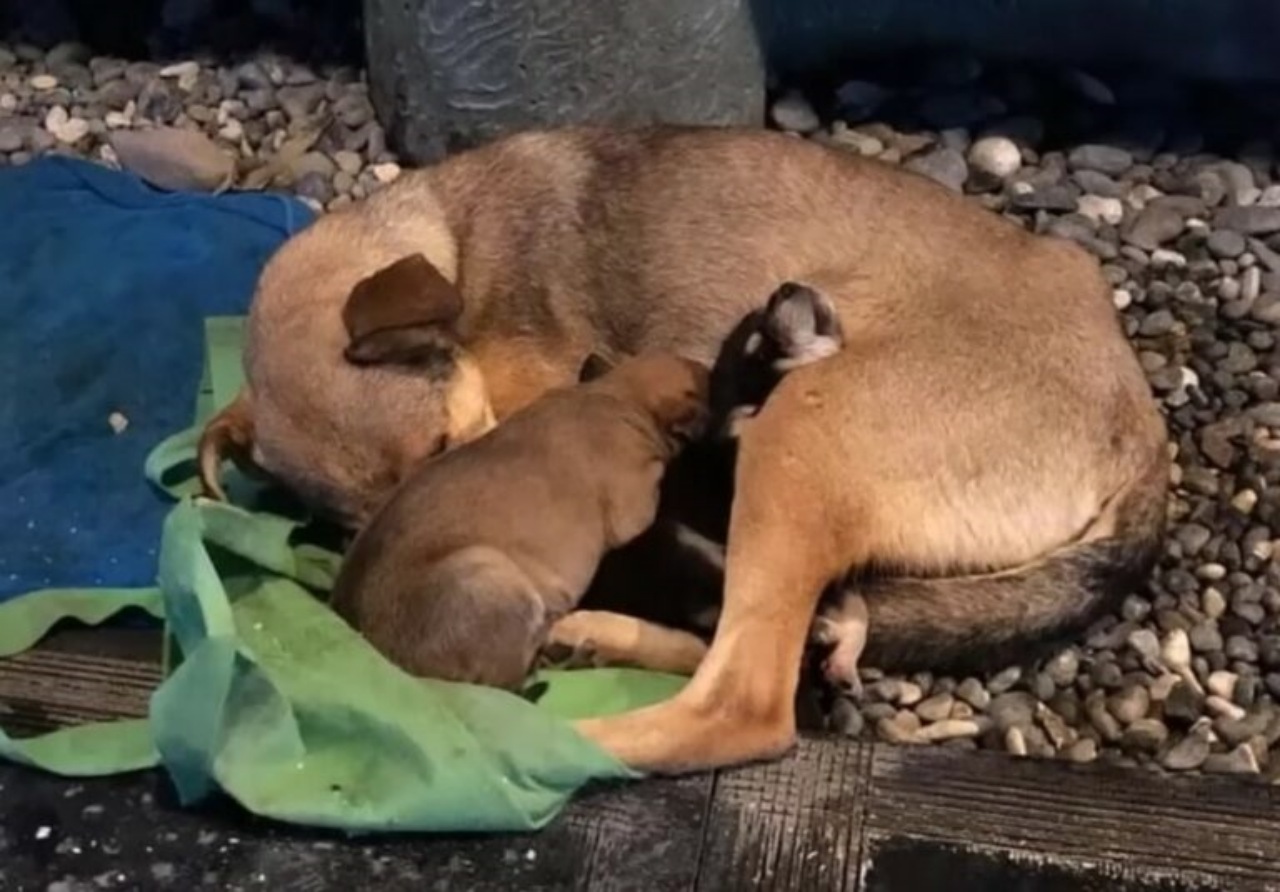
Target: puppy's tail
column 229, row 434
column 975, row 623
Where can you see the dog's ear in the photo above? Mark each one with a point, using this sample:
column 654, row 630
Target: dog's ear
column 593, row 367
column 803, row 325
column 403, row 313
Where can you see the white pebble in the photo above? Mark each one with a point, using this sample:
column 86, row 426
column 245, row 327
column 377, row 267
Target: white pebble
column 44, row 832
column 1263, row 550
column 1224, row 707
column 1251, row 284
column 1141, row 194
column 232, row 131
column 387, row 172
column 1213, row 603
column 65, row 128
column 1163, row 686
column 43, row 82
column 1189, row 378
column 1176, row 649
column 1162, row 257
column 1222, row 683
column 8, row 102
column 1245, row 501
column 948, row 729
column 1015, row 742
column 1100, row 209
column 995, row 155
column 178, row 69
column 1121, row 298
column 117, row 120
column 1270, row 197
column 118, row 422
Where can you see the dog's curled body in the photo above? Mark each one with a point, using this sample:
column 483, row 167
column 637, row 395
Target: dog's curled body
column 984, row 453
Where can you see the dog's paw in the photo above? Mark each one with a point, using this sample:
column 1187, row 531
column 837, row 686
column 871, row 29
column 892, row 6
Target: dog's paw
column 569, row 654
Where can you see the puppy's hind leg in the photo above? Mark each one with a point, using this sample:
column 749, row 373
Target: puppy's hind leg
column 614, row 639
column 842, row 627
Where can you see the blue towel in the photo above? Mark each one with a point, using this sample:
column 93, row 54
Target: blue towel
column 104, row 287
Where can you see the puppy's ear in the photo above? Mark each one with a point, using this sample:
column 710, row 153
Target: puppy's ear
column 593, row 367
column 403, row 313
column 803, row 325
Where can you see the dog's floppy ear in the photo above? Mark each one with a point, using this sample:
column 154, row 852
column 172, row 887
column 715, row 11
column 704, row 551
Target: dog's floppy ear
column 803, row 324
column 403, row 313
column 593, row 367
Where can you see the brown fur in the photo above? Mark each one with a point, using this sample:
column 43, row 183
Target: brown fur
column 985, row 447
column 478, row 554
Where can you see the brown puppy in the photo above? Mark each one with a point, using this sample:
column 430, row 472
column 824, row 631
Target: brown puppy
column 983, row 462
column 479, row 552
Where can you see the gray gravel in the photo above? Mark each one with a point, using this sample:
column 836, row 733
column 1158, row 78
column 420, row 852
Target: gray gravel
column 1186, row 675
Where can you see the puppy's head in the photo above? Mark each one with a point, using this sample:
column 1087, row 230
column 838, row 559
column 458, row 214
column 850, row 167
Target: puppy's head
column 797, row 326
column 403, row 319
column 671, row 389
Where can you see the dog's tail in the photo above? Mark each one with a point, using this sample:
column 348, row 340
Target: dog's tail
column 974, row 623
column 229, row 434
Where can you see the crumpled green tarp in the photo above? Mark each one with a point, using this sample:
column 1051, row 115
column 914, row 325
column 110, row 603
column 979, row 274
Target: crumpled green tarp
column 274, row 700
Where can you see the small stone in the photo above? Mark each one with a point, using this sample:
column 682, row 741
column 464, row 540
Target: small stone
column 1205, row 637
column 1154, row 226
column 1063, row 667
column 117, row 422
column 65, row 129
column 1163, row 686
column 1242, row 649
column 1221, row 706
column 43, row 82
column 901, row 728
column 1129, row 704
column 949, row 729
column 1157, row 324
column 1146, row 645
column 1100, row 209
column 1121, row 298
column 348, row 162
column 1225, row 244
column 1176, row 649
column 944, row 165
column 1083, row 750
column 1055, row 727
column 795, row 113
column 1104, row 159
column 1147, row 735
column 1015, row 742
column 1241, row 760
column 972, row 692
column 1184, row 704
column 1162, row 258
column 995, row 156
column 1106, row 724
column 1245, row 501
column 1222, row 683
column 909, row 694
column 1189, row 753
column 846, row 719
column 1236, row 730
column 1016, row 708
column 1004, row 679
column 1248, row 220
column 935, row 708
column 387, row 172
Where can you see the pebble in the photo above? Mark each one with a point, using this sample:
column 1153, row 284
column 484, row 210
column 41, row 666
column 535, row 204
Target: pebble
column 1248, row 220
column 972, row 692
column 1241, row 760
column 1012, row 709
column 1155, row 225
column 1225, row 244
column 995, row 156
column 1100, row 209
column 1147, row 735
column 1083, row 750
column 1221, row 706
column 43, row 82
column 944, row 165
column 1147, row 646
column 935, row 708
column 1015, row 742
column 387, row 172
column 900, row 728
column 1188, row 753
column 1129, row 704
column 948, row 729
column 1063, row 667
column 845, row 718
column 1103, row 159
column 794, row 112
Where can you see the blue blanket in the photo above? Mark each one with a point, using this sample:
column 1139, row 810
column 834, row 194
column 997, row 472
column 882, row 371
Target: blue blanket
column 104, row 287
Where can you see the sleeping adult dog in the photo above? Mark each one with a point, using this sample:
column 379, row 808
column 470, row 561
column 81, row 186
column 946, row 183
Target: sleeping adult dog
column 983, row 461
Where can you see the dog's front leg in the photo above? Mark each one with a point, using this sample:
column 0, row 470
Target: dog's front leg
column 782, row 552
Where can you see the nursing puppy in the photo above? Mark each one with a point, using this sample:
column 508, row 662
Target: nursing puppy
column 463, row 572
column 673, row 574
column 983, row 461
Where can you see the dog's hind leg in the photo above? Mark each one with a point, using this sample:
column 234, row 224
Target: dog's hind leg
column 615, row 639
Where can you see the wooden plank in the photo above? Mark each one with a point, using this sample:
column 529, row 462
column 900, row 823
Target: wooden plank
column 790, row 824
column 79, row 675
column 1133, row 828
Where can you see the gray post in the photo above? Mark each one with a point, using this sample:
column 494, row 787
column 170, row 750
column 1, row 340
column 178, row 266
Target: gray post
column 447, row 74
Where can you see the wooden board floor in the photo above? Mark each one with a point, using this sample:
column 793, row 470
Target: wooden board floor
column 834, row 815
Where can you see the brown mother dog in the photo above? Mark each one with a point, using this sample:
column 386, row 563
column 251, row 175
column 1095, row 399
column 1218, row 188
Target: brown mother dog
column 983, row 460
